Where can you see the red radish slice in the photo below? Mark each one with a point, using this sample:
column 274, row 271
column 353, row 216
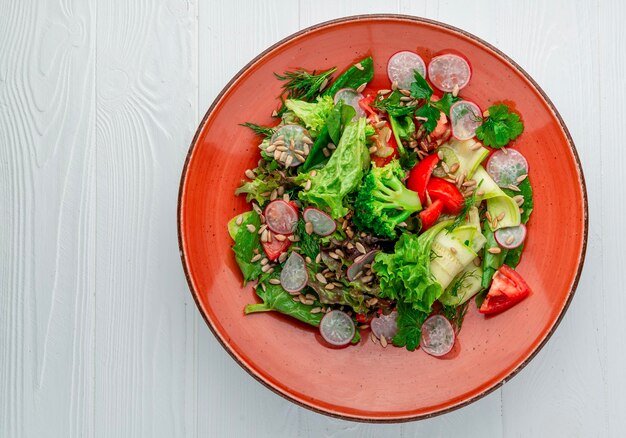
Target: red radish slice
column 294, row 275
column 351, row 97
column 301, row 142
column 511, row 237
column 323, row 224
column 507, row 167
column 337, row 328
column 359, row 264
column 437, row 336
column 281, row 217
column 385, row 325
column 465, row 117
column 446, row 71
column 401, row 68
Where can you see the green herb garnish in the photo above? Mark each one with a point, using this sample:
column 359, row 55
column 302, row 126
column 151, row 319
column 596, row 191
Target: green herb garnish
column 455, row 315
column 500, row 127
column 259, row 130
column 302, row 85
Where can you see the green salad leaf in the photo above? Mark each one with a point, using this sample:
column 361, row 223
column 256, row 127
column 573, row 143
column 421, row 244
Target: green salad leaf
column 275, row 298
column 409, row 322
column 259, row 189
column 342, row 173
column 313, row 115
column 339, row 117
column 500, row 127
column 420, row 89
column 526, row 190
column 491, row 262
column 245, row 245
column 405, row 274
column 360, row 73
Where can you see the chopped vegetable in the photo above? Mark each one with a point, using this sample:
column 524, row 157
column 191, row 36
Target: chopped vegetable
column 507, row 289
column 446, row 192
column 281, row 217
column 401, row 67
column 420, row 175
column 385, row 325
column 437, row 336
column 507, row 168
column 383, row 201
column 465, row 117
column 511, row 237
column 449, row 71
column 294, row 276
column 323, row 224
column 337, row 328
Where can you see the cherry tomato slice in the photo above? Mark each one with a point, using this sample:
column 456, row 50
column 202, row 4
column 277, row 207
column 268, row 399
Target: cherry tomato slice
column 507, row 289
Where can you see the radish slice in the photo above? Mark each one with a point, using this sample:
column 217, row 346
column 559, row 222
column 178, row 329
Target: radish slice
column 281, row 217
column 351, row 97
column 337, row 328
column 294, row 275
column 506, row 167
column 283, row 137
column 323, row 224
column 359, row 264
column 446, row 71
column 437, row 336
column 385, row 325
column 401, row 68
column 465, row 117
column 511, row 237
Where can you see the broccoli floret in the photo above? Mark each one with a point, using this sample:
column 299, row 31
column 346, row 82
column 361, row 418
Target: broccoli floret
column 383, row 201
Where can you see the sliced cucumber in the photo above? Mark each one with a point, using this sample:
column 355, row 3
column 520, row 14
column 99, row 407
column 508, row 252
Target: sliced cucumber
column 464, row 286
column 470, row 236
column 499, row 204
column 465, row 153
column 450, row 257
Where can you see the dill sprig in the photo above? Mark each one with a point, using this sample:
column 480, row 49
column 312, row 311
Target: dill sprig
column 456, row 315
column 302, row 85
column 259, row 130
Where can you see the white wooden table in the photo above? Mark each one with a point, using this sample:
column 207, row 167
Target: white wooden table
column 99, row 335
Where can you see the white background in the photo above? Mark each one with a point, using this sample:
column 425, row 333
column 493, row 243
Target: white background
column 99, row 335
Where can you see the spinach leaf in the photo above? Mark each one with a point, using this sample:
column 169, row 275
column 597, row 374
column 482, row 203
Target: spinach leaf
column 354, row 77
column 245, row 244
column 275, row 298
column 526, row 191
column 316, row 156
column 513, row 256
column 491, row 262
column 339, row 117
column 341, row 175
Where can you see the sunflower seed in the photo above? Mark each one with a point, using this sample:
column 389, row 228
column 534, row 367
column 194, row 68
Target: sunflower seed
column 286, row 197
column 297, row 298
column 373, row 149
column 264, row 261
column 250, row 174
column 265, row 268
column 521, row 210
column 334, row 255
column 455, row 90
column 280, row 237
column 282, row 257
column 383, row 341
column 500, row 216
column 486, row 113
column 480, row 193
column 454, row 168
column 488, row 216
column 402, row 224
column 239, row 220
column 274, row 195
column 283, row 156
column 305, row 149
column 274, row 113
column 251, row 228
column 519, row 199
column 384, row 91
column 321, row 278
column 373, row 338
column 359, row 66
column 265, row 194
column 293, row 238
column 510, row 240
column 281, row 190
column 494, row 223
column 281, row 148
column 318, row 258
column 360, row 248
column 289, row 160
column 307, row 185
column 326, row 152
column 313, row 173
column 316, row 310
column 406, row 99
column 367, row 279
column 477, row 261
column 453, row 250
column 264, row 236
column 469, row 183
column 340, row 253
column 476, row 146
column 349, row 233
column 522, row 178
column 361, row 88
column 262, row 228
column 445, row 167
column 422, row 119
column 505, row 150
column 308, row 227
column 274, row 281
column 331, row 146
column 256, row 258
column 277, row 155
column 440, row 155
column 513, row 187
column 494, row 250
column 381, row 124
column 394, row 85
column 329, row 286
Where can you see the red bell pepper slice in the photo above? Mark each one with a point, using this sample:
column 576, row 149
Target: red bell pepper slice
column 366, row 104
column 420, row 175
column 448, row 193
column 431, row 214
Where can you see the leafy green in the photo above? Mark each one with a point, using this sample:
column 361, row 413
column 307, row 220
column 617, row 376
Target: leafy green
column 383, row 202
column 259, row 130
column 405, row 274
column 500, row 127
column 420, row 89
column 308, row 244
column 302, row 85
column 526, row 191
column 259, row 188
column 403, row 127
column 445, row 103
column 313, row 115
column 469, row 202
column 456, row 315
column 393, row 105
column 430, row 116
column 275, row 298
column 337, row 120
column 409, row 322
column 491, row 262
column 316, row 156
column 513, row 256
column 340, row 295
column 354, row 77
column 245, row 244
column 341, row 175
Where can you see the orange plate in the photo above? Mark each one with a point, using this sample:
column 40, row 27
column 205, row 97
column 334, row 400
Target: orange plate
column 366, row 382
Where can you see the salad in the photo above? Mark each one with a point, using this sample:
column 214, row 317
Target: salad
column 385, row 212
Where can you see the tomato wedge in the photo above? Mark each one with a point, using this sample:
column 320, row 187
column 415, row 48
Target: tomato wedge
column 275, row 248
column 507, row 289
column 366, row 104
column 448, row 193
column 430, row 215
column 420, row 175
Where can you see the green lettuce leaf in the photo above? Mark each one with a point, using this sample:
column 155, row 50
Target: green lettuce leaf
column 245, row 244
column 313, row 115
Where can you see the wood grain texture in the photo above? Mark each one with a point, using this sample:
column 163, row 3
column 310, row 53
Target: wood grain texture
column 99, row 335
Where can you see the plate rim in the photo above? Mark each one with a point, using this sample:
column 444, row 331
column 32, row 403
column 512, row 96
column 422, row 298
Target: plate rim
column 419, row 20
